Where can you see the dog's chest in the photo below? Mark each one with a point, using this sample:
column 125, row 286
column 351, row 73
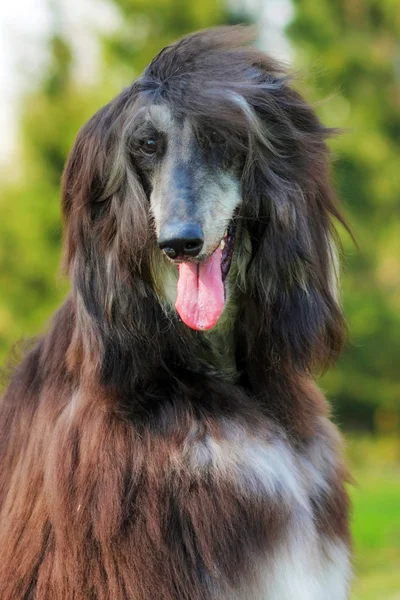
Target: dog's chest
column 224, row 498
column 254, row 464
column 227, row 464
column 237, row 511
column 232, row 486
column 242, row 501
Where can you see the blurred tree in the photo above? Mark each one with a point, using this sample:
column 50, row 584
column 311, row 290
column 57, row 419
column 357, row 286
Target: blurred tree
column 354, row 48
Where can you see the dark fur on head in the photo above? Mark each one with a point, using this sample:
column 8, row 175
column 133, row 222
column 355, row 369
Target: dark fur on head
column 142, row 459
column 289, row 310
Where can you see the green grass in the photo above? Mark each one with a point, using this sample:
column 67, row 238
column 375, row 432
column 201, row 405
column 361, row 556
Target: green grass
column 375, row 465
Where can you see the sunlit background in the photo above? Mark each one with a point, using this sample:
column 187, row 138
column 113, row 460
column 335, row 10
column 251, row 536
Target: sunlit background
column 60, row 60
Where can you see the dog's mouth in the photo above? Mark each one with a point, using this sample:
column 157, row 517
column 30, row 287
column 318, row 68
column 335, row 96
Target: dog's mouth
column 227, row 246
column 201, row 285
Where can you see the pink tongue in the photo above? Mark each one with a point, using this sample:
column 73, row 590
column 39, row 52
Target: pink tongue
column 201, row 297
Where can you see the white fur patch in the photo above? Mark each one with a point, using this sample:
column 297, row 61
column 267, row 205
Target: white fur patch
column 336, row 574
column 254, row 463
column 304, row 569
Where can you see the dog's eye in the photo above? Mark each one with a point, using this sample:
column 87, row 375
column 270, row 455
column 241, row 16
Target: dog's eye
column 148, row 145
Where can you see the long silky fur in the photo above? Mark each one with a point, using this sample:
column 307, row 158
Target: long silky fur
column 96, row 498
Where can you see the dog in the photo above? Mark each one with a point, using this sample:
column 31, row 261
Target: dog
column 164, row 440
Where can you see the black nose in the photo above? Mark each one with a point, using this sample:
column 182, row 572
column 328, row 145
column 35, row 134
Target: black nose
column 179, row 240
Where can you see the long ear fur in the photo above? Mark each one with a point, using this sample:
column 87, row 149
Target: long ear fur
column 289, row 206
column 101, row 192
column 107, row 243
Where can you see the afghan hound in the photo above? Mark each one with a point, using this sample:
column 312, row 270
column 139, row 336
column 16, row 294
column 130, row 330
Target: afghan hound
column 164, row 440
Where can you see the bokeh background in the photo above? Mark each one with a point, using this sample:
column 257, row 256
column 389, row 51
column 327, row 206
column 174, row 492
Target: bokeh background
column 61, row 60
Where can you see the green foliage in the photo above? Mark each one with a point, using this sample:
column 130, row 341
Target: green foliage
column 351, row 47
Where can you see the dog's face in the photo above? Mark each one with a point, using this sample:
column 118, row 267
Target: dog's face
column 192, row 176
column 208, row 175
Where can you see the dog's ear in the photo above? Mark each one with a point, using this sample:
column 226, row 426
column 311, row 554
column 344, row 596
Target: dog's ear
column 85, row 177
column 107, row 227
column 101, row 190
column 290, row 207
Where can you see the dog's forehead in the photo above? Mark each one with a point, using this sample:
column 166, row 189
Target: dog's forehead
column 164, row 119
column 160, row 115
column 179, row 129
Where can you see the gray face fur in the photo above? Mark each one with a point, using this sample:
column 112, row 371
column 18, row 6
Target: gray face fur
column 192, row 178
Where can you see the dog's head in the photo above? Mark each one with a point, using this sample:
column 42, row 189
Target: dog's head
column 208, row 179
